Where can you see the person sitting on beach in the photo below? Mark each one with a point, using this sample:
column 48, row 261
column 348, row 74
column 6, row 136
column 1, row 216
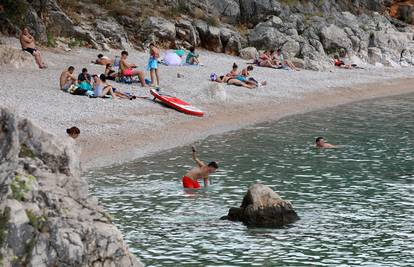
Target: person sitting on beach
column 102, row 89
column 85, row 80
column 67, row 79
column 102, row 60
column 320, row 143
column 244, row 76
column 28, row 44
column 128, row 69
column 192, row 57
column 110, row 73
column 280, row 61
column 73, row 132
column 190, row 180
column 340, row 63
column 265, row 60
column 153, row 64
column 233, row 72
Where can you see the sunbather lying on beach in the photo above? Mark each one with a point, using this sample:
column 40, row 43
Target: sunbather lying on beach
column 128, row 69
column 102, row 60
column 233, row 81
column 320, row 143
column 101, row 88
column 67, row 79
column 202, row 171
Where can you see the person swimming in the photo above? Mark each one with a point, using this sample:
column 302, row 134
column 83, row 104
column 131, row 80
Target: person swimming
column 321, row 143
column 200, row 172
column 73, row 132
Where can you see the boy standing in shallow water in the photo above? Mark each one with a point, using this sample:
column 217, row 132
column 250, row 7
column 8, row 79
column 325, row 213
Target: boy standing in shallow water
column 200, row 172
column 153, row 64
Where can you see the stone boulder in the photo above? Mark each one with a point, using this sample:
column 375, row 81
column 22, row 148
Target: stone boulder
column 254, row 11
column 160, row 30
column 210, row 36
column 249, row 53
column 334, row 38
column 15, row 57
column 262, row 207
column 186, row 34
column 46, row 215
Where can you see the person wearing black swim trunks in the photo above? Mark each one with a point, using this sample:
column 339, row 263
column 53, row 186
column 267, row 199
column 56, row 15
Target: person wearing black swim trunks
column 28, row 44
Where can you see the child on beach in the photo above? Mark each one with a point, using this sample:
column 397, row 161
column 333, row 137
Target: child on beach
column 192, row 57
column 200, row 172
column 153, row 64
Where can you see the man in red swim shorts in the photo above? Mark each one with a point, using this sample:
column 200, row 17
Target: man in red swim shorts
column 200, row 172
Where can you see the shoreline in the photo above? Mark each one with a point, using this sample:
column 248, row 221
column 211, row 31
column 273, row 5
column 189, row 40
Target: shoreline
column 232, row 118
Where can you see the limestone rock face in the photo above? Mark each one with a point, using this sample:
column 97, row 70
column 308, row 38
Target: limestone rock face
column 262, row 207
column 46, row 215
column 157, row 29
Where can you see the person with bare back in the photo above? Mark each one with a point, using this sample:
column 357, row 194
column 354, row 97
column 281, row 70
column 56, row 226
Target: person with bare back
column 28, row 44
column 201, row 171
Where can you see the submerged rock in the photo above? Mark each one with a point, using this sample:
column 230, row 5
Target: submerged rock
column 46, row 215
column 262, row 207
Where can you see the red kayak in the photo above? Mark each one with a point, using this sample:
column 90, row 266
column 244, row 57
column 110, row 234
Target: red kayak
column 177, row 104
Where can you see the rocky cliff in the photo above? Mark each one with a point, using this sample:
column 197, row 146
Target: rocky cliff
column 374, row 31
column 46, row 215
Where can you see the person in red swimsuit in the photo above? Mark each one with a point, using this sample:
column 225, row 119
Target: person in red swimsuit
column 200, row 172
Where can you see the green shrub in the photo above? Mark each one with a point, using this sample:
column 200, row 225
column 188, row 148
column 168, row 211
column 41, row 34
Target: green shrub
column 15, row 11
column 51, row 41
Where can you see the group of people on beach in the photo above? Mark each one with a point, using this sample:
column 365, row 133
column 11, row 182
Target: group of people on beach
column 86, row 82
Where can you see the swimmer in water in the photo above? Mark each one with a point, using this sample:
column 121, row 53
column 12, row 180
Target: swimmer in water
column 200, row 172
column 320, row 143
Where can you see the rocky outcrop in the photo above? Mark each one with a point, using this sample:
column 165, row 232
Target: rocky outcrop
column 16, row 58
column 309, row 32
column 262, row 207
column 46, row 215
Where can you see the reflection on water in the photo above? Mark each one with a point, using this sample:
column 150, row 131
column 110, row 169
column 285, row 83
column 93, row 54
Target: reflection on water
column 356, row 203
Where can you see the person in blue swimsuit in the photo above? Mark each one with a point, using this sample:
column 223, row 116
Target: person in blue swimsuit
column 153, row 64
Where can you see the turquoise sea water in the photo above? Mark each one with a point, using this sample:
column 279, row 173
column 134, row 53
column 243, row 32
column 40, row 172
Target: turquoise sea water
column 356, row 203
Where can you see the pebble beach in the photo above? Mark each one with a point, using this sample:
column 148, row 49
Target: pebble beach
column 116, row 131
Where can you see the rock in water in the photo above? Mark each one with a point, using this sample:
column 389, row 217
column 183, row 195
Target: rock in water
column 262, row 207
column 46, row 215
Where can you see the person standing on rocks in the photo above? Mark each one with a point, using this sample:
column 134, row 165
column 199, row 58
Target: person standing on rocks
column 153, row 64
column 28, row 44
column 190, row 180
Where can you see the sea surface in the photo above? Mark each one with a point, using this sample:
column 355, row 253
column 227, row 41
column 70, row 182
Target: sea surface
column 356, row 202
